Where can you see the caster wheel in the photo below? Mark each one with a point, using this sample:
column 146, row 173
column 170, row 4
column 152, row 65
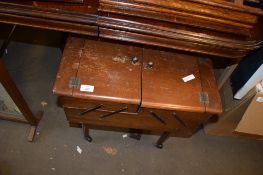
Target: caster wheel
column 160, row 146
column 88, row 138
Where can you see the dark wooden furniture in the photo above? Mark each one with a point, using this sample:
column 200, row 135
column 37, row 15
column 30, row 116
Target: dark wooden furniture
column 205, row 28
column 117, row 85
column 210, row 27
column 10, row 86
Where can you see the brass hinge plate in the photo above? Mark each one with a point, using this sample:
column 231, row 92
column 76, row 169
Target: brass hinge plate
column 74, row 82
column 204, row 97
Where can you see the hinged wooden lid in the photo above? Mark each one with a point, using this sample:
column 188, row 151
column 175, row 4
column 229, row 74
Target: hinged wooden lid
column 103, row 71
column 163, row 86
column 176, row 82
column 112, row 72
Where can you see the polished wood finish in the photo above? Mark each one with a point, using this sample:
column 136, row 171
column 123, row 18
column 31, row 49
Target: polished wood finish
column 49, row 18
column 86, row 7
column 169, row 11
column 175, row 31
column 103, row 65
column 28, row 1
column 169, row 43
column 123, row 120
column 150, row 88
column 215, row 28
column 181, row 25
column 68, row 1
column 69, row 66
column 165, row 80
column 209, row 85
column 89, row 104
column 99, row 60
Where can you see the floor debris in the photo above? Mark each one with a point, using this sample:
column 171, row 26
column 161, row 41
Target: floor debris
column 53, row 169
column 79, row 150
column 43, row 104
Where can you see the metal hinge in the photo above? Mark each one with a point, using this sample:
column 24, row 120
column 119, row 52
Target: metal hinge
column 74, row 82
column 204, row 97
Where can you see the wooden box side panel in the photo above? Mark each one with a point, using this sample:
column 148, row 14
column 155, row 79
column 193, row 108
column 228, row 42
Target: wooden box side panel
column 213, row 102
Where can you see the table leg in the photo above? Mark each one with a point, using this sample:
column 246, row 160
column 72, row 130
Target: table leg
column 86, row 133
column 163, row 137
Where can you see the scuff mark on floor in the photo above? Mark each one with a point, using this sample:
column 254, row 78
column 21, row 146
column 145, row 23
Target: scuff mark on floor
column 110, row 151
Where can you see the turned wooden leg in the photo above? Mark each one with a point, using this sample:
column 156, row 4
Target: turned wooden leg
column 86, row 133
column 163, row 137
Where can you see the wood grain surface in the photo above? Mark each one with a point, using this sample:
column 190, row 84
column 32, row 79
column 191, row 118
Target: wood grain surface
column 162, row 85
column 151, row 89
column 216, row 28
column 103, row 65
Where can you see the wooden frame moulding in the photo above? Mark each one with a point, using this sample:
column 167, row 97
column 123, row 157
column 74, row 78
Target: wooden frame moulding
column 12, row 90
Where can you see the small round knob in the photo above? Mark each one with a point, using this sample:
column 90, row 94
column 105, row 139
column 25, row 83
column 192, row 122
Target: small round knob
column 134, row 60
column 150, row 65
